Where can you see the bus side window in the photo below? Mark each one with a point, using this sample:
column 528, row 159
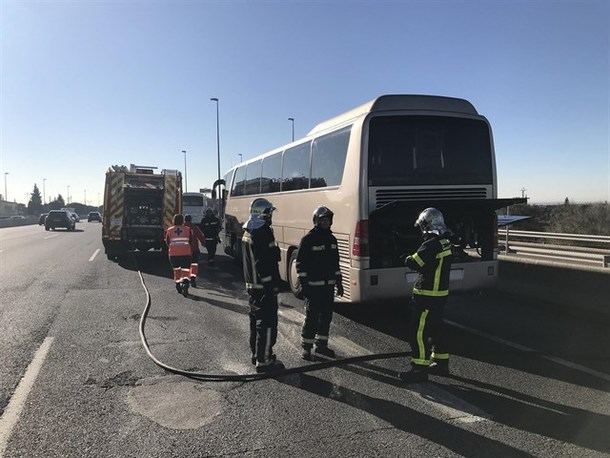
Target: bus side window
column 295, row 172
column 253, row 178
column 239, row 181
column 328, row 158
column 272, row 173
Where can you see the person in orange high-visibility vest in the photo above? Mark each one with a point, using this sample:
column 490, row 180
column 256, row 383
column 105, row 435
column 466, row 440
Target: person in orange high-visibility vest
column 179, row 240
column 197, row 237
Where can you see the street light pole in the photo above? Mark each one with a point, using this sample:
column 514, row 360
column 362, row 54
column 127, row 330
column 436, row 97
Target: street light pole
column 67, row 201
column 292, row 122
column 240, row 157
column 5, row 188
column 215, row 99
column 44, row 192
column 85, row 197
column 186, row 184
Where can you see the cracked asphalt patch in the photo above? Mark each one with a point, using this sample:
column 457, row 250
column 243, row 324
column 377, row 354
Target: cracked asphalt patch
column 176, row 405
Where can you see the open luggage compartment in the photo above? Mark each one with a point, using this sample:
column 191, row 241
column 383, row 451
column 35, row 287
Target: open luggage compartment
column 392, row 234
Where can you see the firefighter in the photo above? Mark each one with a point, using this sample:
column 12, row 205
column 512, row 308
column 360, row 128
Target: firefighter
column 260, row 262
column 430, row 292
column 197, row 237
column 210, row 225
column 179, row 239
column 319, row 275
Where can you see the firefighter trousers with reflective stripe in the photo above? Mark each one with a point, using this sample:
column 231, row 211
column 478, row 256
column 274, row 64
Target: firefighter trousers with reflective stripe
column 427, row 335
column 319, row 304
column 263, row 325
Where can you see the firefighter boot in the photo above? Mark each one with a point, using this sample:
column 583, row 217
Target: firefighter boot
column 414, row 375
column 439, row 367
column 270, row 366
column 185, row 287
column 322, row 349
column 306, row 354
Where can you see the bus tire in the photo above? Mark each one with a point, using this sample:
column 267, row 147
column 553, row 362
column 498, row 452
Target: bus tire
column 293, row 278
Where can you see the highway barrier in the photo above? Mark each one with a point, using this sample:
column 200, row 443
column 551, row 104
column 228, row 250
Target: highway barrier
column 574, row 288
column 9, row 222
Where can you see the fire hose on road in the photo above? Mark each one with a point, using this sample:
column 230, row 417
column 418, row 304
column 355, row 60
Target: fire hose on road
column 202, row 376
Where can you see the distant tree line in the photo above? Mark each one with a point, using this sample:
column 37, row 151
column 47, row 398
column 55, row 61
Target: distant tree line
column 36, row 207
column 570, row 218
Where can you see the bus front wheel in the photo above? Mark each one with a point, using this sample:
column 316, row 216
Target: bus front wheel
column 293, row 277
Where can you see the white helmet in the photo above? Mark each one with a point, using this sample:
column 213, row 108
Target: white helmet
column 261, row 208
column 431, row 220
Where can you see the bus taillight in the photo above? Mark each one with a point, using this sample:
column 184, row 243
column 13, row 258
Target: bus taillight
column 361, row 239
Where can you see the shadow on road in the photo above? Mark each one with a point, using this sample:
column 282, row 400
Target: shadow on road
column 409, row 420
column 512, row 408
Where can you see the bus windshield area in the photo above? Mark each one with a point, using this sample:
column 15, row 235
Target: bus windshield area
column 428, row 150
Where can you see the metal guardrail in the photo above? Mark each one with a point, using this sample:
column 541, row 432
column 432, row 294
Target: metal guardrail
column 534, row 244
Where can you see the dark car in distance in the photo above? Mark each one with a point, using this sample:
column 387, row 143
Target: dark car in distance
column 43, row 217
column 59, row 218
column 94, row 216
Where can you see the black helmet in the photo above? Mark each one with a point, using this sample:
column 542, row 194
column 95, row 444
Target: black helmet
column 322, row 212
column 209, row 212
column 188, row 218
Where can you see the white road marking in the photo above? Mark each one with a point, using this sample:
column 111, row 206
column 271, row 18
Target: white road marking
column 51, row 236
column 453, row 408
column 523, row 348
column 11, row 414
column 94, row 255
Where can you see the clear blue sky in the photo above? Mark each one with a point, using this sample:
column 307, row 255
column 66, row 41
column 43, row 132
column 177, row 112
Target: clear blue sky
column 89, row 84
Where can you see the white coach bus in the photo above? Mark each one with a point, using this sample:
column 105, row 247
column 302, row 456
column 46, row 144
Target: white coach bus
column 377, row 167
column 195, row 204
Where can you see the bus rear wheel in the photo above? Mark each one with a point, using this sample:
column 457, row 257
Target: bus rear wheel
column 293, row 277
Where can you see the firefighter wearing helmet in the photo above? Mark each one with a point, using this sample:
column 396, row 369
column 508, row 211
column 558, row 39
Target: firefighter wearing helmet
column 318, row 270
column 260, row 262
column 432, row 261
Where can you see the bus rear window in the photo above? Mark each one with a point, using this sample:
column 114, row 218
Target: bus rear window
column 428, row 150
column 192, row 201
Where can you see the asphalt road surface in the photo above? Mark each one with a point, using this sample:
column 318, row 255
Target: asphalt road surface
column 527, row 379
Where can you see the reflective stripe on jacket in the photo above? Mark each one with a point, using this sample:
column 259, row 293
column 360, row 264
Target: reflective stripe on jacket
column 318, row 259
column 178, row 239
column 433, row 262
column 260, row 259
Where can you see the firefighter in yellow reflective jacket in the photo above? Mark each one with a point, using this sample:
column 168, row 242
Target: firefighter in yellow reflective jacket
column 433, row 263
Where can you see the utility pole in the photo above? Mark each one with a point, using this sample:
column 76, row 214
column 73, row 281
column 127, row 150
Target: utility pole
column 5, row 188
column 215, row 99
column 186, row 184
column 292, row 121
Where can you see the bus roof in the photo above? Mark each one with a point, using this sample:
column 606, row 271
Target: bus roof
column 388, row 102
column 399, row 102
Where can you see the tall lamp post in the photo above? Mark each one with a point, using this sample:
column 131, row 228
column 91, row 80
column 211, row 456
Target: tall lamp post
column 215, row 99
column 186, row 183
column 240, row 157
column 44, row 192
column 5, row 188
column 67, row 201
column 292, row 122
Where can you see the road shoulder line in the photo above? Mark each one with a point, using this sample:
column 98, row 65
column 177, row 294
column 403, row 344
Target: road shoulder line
column 94, row 255
column 13, row 410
